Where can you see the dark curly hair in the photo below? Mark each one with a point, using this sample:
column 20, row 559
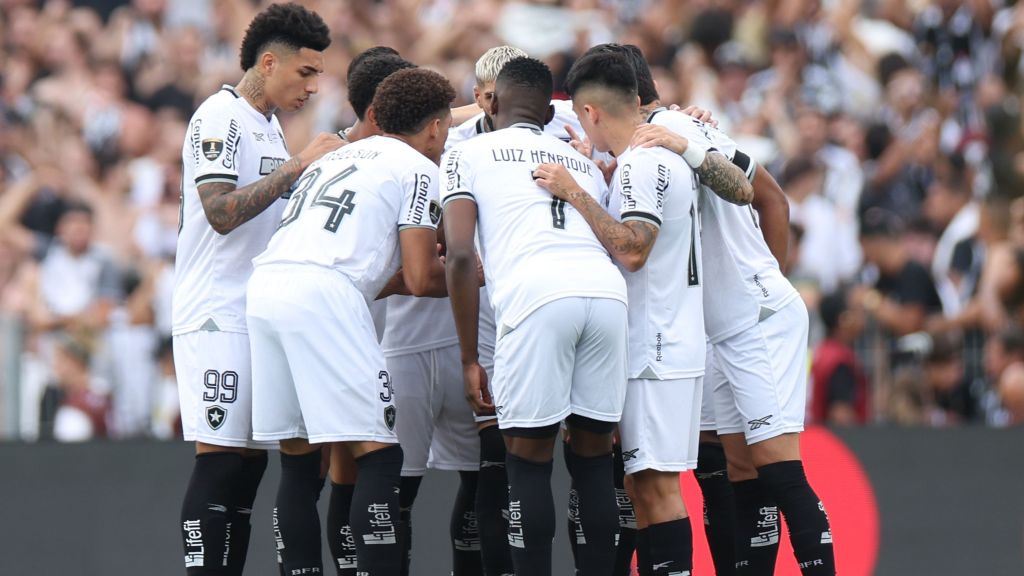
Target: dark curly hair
column 368, row 53
column 526, row 72
column 289, row 24
column 364, row 80
column 408, row 99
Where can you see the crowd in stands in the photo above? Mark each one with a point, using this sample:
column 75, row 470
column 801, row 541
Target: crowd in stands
column 894, row 127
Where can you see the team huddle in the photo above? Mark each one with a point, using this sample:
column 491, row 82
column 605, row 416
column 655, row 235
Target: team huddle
column 460, row 289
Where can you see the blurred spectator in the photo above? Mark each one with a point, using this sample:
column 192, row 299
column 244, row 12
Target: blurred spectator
column 903, row 296
column 840, row 388
column 74, row 408
column 826, row 254
column 949, row 399
column 950, row 209
column 1011, row 392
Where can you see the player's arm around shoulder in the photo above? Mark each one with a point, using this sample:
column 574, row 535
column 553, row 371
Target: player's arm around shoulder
column 228, row 206
column 713, row 168
column 629, row 243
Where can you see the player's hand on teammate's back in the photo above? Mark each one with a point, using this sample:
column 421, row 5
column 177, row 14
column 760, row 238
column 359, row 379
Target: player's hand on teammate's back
column 650, row 135
column 698, row 113
column 556, row 179
column 477, row 392
column 323, row 143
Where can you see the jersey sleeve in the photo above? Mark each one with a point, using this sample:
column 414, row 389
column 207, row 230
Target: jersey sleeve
column 642, row 180
column 420, row 206
column 215, row 140
column 456, row 175
column 695, row 131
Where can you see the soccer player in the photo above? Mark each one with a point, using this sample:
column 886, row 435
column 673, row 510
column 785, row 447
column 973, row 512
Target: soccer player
column 560, row 310
column 319, row 373
column 654, row 203
column 236, row 171
column 758, row 327
column 365, row 73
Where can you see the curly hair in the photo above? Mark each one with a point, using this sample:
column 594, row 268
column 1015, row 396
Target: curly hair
column 526, row 72
column 408, row 99
column 368, row 53
column 289, row 24
column 364, row 80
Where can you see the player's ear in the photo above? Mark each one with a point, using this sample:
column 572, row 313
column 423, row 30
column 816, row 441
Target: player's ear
column 267, row 62
column 638, row 102
column 550, row 115
column 494, row 106
column 371, row 117
column 591, row 113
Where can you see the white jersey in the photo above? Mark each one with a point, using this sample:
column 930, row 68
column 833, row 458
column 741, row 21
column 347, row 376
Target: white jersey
column 417, row 324
column 535, row 248
column 743, row 281
column 564, row 116
column 666, row 310
column 228, row 141
column 348, row 208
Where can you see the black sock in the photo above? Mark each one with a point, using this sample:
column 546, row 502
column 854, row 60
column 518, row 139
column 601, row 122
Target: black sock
column 671, row 546
column 492, row 504
column 205, row 520
column 809, row 530
column 757, row 529
column 643, row 551
column 627, row 519
column 410, row 487
column 573, row 527
column 298, row 519
column 531, row 515
column 598, row 513
column 719, row 507
column 339, row 532
column 241, row 512
column 464, row 529
column 375, row 512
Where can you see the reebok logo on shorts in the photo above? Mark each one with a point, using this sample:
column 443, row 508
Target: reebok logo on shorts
column 759, row 422
column 215, row 416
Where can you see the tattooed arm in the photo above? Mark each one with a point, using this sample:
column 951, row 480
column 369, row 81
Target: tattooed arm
column 725, row 179
column 716, row 171
column 228, row 207
column 629, row 242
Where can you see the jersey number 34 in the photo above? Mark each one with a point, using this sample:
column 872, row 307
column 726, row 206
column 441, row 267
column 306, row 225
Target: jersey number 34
column 339, row 205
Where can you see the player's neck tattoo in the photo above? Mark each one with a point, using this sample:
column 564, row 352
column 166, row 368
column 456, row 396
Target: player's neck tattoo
column 252, row 89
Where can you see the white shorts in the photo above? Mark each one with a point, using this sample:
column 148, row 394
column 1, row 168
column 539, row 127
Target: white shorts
column 762, row 391
column 566, row 357
column 487, row 334
column 215, row 388
column 436, row 429
column 659, row 428
column 712, row 376
column 318, row 371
